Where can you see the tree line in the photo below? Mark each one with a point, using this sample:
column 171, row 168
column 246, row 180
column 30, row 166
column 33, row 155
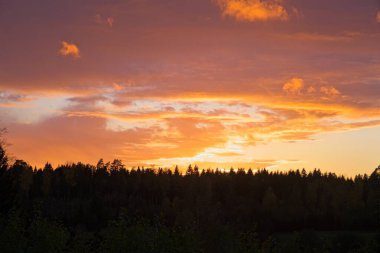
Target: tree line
column 106, row 208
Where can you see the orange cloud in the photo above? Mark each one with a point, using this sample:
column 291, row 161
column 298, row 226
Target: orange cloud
column 87, row 139
column 254, row 10
column 378, row 16
column 157, row 131
column 294, row 86
column 118, row 87
column 69, row 49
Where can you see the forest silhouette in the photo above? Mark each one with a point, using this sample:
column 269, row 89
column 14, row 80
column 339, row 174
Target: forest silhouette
column 107, row 208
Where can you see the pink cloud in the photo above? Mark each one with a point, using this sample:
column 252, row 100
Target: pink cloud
column 329, row 91
column 108, row 21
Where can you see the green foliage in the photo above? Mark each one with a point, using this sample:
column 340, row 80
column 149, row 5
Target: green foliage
column 3, row 159
column 46, row 236
column 82, row 241
column 12, row 234
column 82, row 209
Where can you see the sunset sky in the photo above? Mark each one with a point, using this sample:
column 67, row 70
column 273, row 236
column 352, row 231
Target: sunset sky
column 246, row 83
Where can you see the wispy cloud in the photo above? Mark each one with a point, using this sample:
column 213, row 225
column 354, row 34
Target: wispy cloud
column 254, row 10
column 69, row 49
column 108, row 21
column 321, row 37
column 378, row 16
column 329, row 91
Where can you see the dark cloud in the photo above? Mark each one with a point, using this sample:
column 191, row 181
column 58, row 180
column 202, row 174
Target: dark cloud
column 7, row 97
column 186, row 44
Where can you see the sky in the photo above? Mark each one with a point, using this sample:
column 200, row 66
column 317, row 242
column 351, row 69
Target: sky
column 281, row 84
